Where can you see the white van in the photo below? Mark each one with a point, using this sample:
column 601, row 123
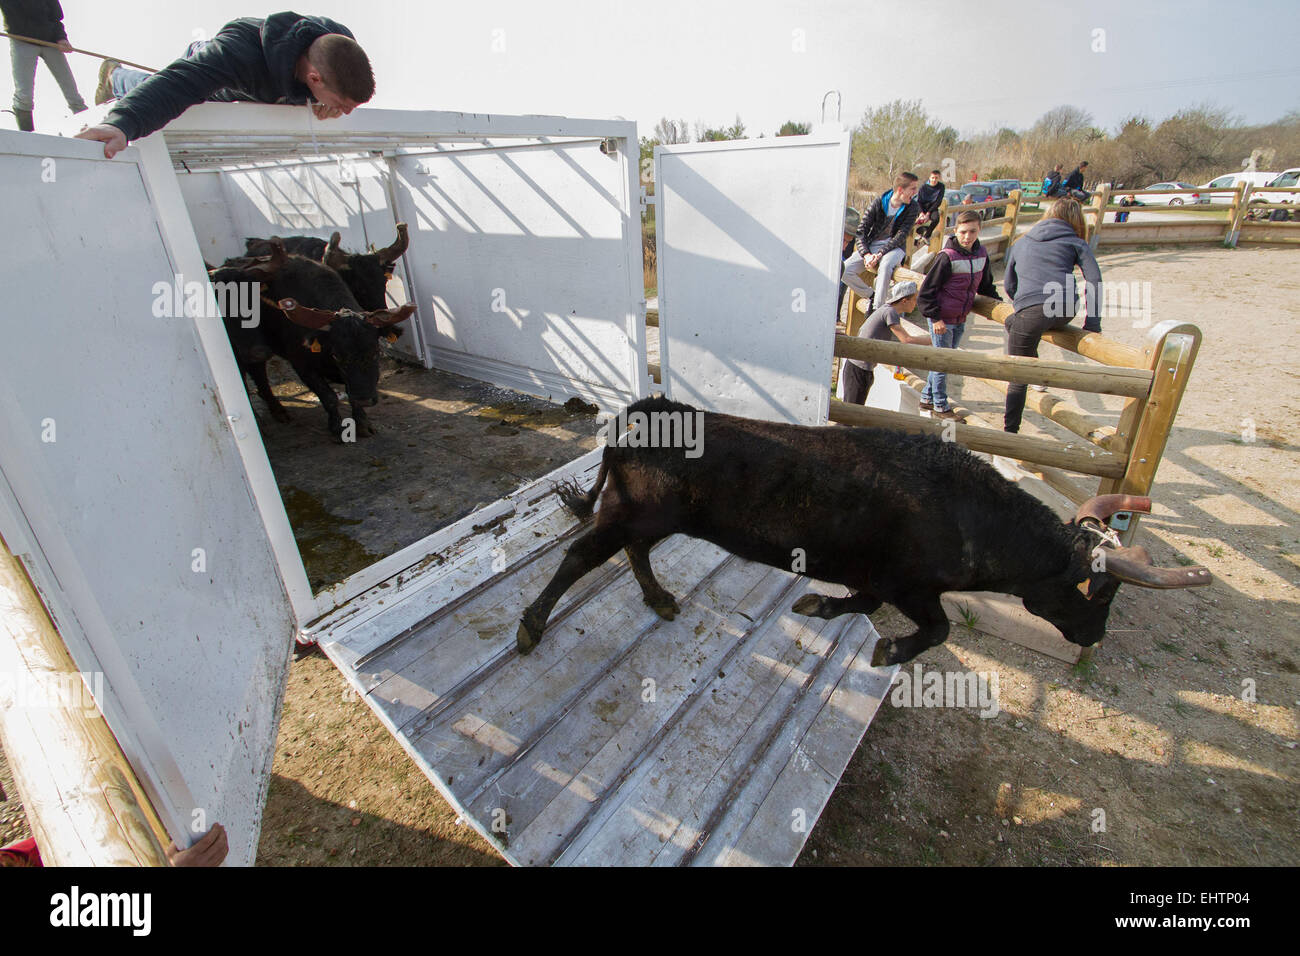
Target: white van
column 1229, row 180
column 1290, row 177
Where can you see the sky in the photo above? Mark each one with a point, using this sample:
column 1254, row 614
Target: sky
column 974, row 66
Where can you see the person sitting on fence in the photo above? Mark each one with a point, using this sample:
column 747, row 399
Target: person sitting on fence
column 930, row 198
column 40, row 20
column 1126, row 202
column 1039, row 278
column 1052, row 185
column 1074, row 183
column 960, row 272
column 882, row 238
column 857, row 375
column 285, row 58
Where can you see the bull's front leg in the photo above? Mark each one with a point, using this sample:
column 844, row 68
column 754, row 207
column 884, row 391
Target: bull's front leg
column 590, row 551
column 315, row 380
column 257, row 371
column 931, row 629
column 823, row 605
column 362, row 421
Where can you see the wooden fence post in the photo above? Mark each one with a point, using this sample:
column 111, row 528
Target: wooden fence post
column 1099, row 202
column 1012, row 213
column 936, row 234
column 1240, row 206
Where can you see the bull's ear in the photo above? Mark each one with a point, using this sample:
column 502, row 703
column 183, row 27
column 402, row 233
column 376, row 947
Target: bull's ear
column 317, row 320
column 380, row 318
column 268, row 267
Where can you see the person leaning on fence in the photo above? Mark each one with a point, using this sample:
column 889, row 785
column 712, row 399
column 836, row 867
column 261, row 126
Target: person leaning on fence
column 285, row 58
column 930, row 198
column 1126, row 202
column 882, row 238
column 883, row 324
column 40, row 20
column 1039, row 278
column 960, row 272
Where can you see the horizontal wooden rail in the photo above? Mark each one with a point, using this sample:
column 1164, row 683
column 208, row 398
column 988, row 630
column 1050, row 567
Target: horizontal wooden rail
column 1085, row 459
column 1201, row 207
column 1121, row 191
column 1130, row 382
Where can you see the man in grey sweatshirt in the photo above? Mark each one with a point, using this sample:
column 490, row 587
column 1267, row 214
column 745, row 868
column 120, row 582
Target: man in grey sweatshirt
column 1039, row 280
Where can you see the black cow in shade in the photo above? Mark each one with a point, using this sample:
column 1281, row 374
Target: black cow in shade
column 366, row 273
column 310, row 317
column 897, row 518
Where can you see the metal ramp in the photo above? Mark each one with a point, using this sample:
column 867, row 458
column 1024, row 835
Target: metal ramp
column 623, row 739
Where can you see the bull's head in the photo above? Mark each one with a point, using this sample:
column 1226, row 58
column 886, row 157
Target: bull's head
column 367, row 274
column 1077, row 600
column 351, row 340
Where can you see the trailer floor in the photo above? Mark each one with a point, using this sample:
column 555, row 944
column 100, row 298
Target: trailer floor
column 445, row 445
column 715, row 738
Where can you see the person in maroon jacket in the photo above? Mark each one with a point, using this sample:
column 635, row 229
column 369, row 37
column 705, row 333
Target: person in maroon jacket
column 961, row 271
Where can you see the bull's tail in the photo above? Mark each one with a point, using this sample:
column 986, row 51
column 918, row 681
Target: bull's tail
column 577, row 501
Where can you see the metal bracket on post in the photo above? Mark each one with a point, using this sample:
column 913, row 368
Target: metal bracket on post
column 839, row 103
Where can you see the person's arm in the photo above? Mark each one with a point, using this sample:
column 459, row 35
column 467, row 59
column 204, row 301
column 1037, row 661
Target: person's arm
column 1092, row 275
column 865, row 226
column 233, row 59
column 907, row 339
column 55, row 13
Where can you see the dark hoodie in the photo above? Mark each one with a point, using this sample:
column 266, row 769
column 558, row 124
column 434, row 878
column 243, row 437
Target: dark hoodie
column 250, row 60
column 38, row 19
column 1040, row 266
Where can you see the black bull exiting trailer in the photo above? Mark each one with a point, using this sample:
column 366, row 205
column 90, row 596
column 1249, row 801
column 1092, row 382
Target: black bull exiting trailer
column 897, row 518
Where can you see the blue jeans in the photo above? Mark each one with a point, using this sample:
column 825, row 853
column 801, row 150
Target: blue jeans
column 125, row 79
column 936, row 383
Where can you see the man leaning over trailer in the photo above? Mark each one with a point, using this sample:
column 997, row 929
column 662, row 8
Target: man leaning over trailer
column 286, row 58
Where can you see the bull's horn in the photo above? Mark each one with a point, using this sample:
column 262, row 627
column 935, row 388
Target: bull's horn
column 1134, row 566
column 318, row 320
column 266, row 267
column 385, row 317
column 335, row 257
column 392, row 253
column 1102, row 507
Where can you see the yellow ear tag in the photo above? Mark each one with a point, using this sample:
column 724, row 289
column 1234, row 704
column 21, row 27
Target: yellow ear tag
column 315, row 345
column 391, row 336
column 1083, row 588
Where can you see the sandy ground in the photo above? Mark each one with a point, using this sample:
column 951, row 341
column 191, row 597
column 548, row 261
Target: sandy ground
column 1147, row 755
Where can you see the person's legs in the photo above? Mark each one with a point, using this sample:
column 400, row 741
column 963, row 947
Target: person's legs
column 936, row 383
column 857, row 382
column 125, row 79
column 23, row 60
column 852, row 275
column 1024, row 331
column 885, row 273
column 57, row 64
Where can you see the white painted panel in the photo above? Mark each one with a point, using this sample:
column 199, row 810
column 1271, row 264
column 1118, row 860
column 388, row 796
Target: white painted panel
column 141, row 472
column 530, row 258
column 205, row 198
column 749, row 235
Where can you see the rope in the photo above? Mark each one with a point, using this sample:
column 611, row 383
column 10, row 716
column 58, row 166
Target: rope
column 102, row 56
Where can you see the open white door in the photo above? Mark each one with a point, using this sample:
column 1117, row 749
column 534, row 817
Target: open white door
column 124, row 487
column 749, row 235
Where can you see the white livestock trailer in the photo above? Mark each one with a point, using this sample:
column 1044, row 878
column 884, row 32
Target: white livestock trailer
column 137, row 494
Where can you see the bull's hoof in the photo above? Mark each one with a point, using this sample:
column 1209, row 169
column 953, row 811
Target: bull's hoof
column 528, row 636
column 665, row 606
column 884, row 653
column 810, row 605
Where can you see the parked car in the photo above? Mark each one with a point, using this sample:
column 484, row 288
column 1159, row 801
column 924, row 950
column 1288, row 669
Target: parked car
column 1175, row 200
column 1228, row 180
column 1009, row 184
column 984, row 192
column 1289, row 178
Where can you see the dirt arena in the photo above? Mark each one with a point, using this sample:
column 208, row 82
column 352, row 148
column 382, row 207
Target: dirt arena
column 1151, row 739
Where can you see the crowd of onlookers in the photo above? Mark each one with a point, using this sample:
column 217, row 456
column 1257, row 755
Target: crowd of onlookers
column 1039, row 279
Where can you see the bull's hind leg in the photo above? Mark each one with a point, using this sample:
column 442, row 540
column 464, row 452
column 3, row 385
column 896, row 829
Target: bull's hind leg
column 590, row 551
column 257, row 371
column 663, row 603
column 823, row 605
column 931, row 629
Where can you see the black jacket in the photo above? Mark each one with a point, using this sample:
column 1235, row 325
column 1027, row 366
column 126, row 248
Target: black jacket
column 876, row 223
column 1075, row 179
column 248, row 59
column 931, row 196
column 38, row 19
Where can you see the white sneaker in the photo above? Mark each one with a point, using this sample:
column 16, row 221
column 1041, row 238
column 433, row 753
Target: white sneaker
column 1039, row 388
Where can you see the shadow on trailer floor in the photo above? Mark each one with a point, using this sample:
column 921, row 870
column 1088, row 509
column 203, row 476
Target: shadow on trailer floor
column 445, row 445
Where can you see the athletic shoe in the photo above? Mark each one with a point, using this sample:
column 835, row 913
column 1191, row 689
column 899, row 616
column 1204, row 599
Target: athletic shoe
column 927, row 406
column 1039, row 388
column 947, row 413
column 104, row 91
